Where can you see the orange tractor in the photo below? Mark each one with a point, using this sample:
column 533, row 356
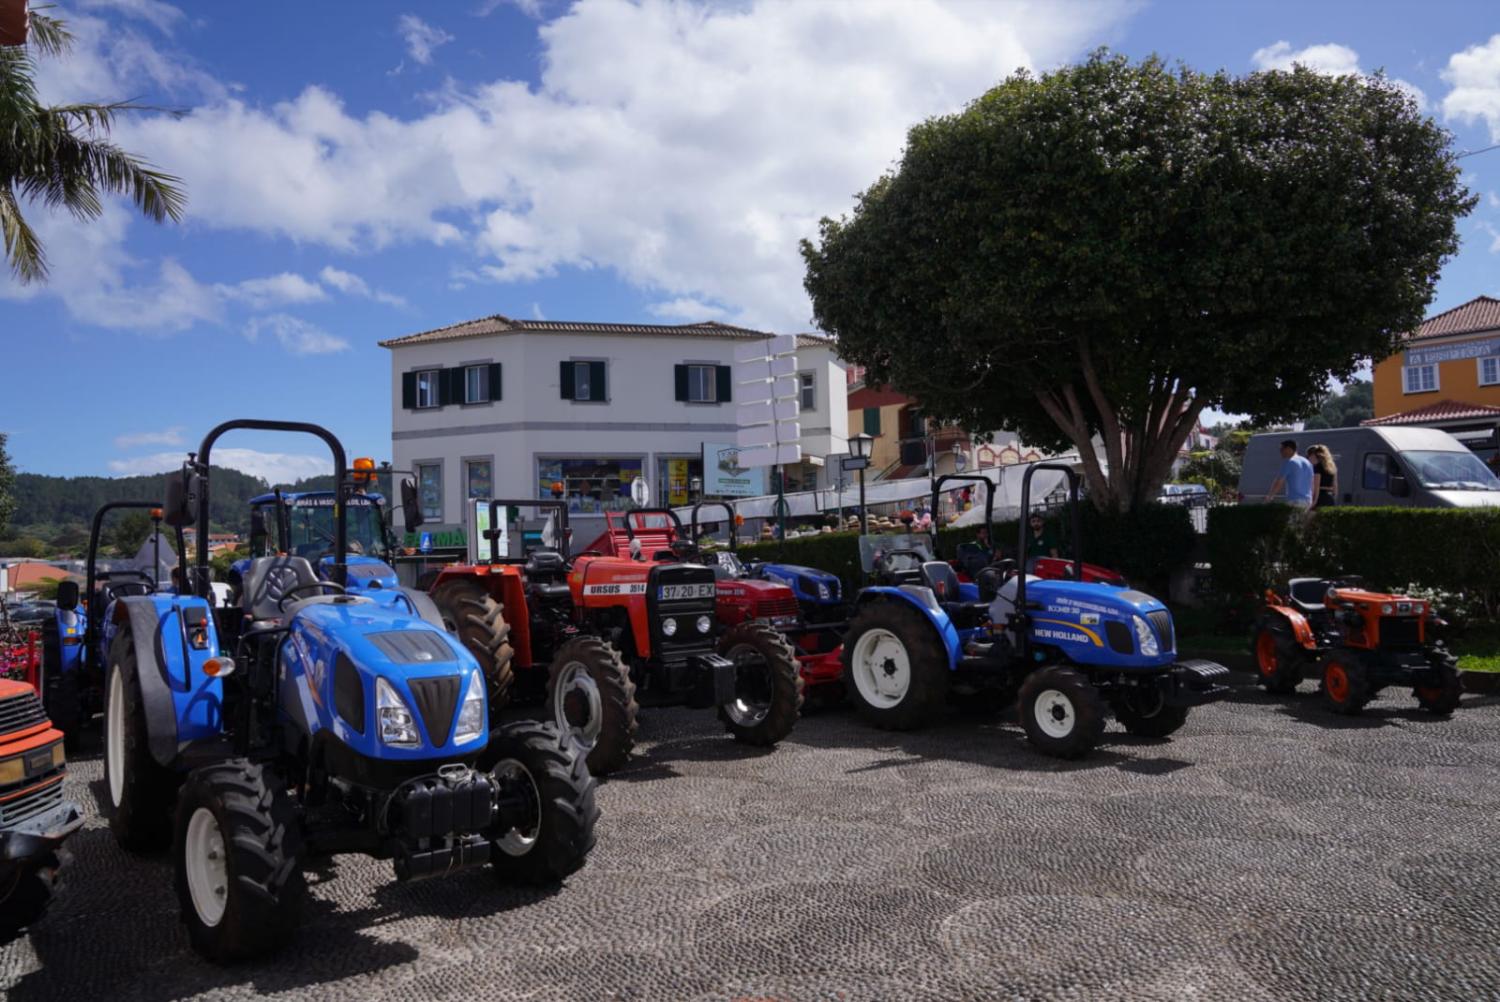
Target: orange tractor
column 604, row 634
column 1357, row 641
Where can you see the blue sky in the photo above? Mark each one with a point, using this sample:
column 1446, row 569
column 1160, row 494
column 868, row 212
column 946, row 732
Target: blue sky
column 361, row 170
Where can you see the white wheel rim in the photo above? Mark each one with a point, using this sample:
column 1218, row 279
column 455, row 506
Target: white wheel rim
column 515, row 842
column 1054, row 713
column 207, row 869
column 576, row 687
column 744, row 712
column 114, row 732
column 881, row 668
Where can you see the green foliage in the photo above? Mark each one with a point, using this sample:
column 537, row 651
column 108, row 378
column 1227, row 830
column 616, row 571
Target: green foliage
column 24, row 546
column 7, row 486
column 220, row 562
column 1346, row 409
column 130, row 532
column 1112, row 247
column 1249, row 548
column 45, row 590
column 1216, row 469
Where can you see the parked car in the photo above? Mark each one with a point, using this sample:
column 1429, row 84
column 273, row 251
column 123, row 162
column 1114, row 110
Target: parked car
column 1409, row 467
column 1184, row 494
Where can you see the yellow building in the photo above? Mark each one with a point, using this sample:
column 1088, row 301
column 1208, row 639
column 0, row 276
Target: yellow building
column 1448, row 375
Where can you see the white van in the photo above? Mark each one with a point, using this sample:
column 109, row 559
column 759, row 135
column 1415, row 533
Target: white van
column 1413, row 467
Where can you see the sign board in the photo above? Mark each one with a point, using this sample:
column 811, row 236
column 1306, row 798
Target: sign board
column 1453, row 352
column 769, row 433
column 640, row 492
column 725, row 476
column 478, row 513
column 854, row 463
column 426, row 545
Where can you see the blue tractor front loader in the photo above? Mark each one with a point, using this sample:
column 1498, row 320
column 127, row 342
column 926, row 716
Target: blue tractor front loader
column 307, row 720
column 1067, row 652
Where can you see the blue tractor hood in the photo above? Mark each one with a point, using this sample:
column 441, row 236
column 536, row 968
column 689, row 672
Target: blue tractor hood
column 1101, row 624
column 809, row 583
column 365, row 573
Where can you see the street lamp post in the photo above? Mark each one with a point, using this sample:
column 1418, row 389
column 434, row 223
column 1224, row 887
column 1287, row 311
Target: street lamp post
column 859, row 448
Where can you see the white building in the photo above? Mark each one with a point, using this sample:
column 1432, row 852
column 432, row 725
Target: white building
column 497, row 407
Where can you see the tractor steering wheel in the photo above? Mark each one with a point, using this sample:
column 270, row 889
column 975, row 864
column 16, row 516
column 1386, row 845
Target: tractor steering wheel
column 305, row 586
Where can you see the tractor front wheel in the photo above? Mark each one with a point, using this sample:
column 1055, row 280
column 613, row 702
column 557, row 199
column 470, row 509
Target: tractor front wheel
column 25, row 892
column 238, row 861
column 1062, row 712
column 767, row 684
column 545, row 826
column 1279, row 660
column 1346, row 684
column 1145, row 713
column 593, row 702
column 1443, row 687
column 472, row 615
column 140, row 790
column 895, row 665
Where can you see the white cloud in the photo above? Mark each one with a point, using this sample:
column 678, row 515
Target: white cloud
column 161, row 16
column 1494, row 234
column 686, row 309
column 295, row 335
column 272, row 467
column 536, row 312
column 168, row 436
column 421, row 38
column 1329, row 58
column 531, row 8
column 351, row 284
column 114, row 62
column 1494, row 200
column 273, row 290
column 689, row 162
column 1475, row 76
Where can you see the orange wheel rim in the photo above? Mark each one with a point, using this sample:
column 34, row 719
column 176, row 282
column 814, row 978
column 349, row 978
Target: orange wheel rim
column 1430, row 693
column 1265, row 653
column 1337, row 681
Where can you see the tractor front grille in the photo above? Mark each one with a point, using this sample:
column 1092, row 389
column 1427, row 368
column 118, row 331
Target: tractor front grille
column 1161, row 621
column 20, row 712
column 34, row 801
column 774, row 608
column 1400, row 631
column 436, row 698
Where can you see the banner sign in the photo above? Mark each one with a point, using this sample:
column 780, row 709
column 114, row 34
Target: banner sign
column 723, row 476
column 1453, row 352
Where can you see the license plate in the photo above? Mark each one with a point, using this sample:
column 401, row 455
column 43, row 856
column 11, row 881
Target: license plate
column 39, row 762
column 676, row 593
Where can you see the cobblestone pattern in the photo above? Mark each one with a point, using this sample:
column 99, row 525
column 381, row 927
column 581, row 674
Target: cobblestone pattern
column 1269, row 851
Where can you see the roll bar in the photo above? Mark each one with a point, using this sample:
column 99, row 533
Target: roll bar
column 974, row 478
column 493, row 532
column 1025, row 529
column 672, row 515
column 728, row 509
column 91, row 625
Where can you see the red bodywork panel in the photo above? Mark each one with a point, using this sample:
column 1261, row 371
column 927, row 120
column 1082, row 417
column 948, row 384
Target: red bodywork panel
column 1058, row 569
column 1300, row 630
column 614, row 583
column 1368, row 604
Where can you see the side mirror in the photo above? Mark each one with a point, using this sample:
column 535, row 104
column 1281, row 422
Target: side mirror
column 67, row 595
column 411, row 505
column 258, row 532
column 180, row 498
column 1399, row 486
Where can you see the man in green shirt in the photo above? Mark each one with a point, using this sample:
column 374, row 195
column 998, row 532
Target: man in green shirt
column 1042, row 542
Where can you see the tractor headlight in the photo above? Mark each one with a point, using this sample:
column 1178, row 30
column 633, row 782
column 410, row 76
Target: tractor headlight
column 669, row 627
column 1145, row 637
column 12, row 770
column 704, row 624
column 398, row 728
column 823, row 592
column 1386, row 609
column 471, row 714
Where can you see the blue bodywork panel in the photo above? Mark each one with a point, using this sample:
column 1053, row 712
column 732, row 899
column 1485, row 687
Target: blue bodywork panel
column 1074, row 618
column 171, row 664
column 809, row 584
column 922, row 599
column 72, row 628
column 367, row 575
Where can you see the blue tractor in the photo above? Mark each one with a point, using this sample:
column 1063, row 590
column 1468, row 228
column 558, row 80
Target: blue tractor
column 1068, row 652
column 306, row 721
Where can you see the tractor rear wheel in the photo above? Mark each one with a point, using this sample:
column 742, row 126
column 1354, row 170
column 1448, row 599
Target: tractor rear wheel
column 1280, row 661
column 140, row 790
column 1062, row 712
column 895, row 665
column 593, row 702
column 1444, row 689
column 1145, row 713
column 546, row 831
column 238, row 861
column 25, row 892
column 472, row 615
column 1346, row 684
column 767, row 684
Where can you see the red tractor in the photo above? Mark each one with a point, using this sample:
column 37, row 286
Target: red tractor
column 1357, row 641
column 603, row 634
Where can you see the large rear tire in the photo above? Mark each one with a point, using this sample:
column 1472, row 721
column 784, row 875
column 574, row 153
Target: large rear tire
column 1445, row 687
column 895, row 665
column 1346, row 684
column 25, row 892
column 140, row 790
column 1062, row 712
column 1280, row 662
column 593, row 702
column 237, row 861
column 471, row 614
column 550, row 837
column 767, row 684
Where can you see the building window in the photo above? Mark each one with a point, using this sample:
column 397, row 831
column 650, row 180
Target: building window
column 589, row 485
column 477, row 475
column 872, row 421
column 702, row 383
column 476, row 384
column 428, row 392
column 809, row 394
column 1420, row 378
column 1377, row 472
column 583, row 381
column 1489, row 370
column 430, row 490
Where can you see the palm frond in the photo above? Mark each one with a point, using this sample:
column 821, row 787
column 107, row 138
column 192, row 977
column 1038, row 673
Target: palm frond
column 22, row 248
column 48, row 35
column 77, row 170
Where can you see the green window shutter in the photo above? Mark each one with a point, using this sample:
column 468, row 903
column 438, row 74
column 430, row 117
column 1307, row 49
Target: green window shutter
column 596, row 381
column 494, row 380
column 726, row 387
column 409, row 391
column 872, row 421
column 565, row 380
column 680, row 373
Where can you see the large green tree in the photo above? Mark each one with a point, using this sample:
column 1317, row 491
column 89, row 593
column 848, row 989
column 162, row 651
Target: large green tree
column 60, row 156
column 7, row 486
column 1104, row 251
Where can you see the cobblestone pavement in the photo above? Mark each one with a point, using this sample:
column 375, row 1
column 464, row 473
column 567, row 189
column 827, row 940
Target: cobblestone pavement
column 1269, row 851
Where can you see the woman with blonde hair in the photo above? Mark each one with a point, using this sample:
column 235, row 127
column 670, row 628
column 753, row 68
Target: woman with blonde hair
column 1325, row 476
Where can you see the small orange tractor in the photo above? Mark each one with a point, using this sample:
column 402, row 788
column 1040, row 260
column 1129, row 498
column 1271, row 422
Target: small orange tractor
column 603, row 634
column 1357, row 641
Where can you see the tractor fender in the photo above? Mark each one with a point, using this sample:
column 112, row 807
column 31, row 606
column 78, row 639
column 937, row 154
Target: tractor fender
column 1298, row 622
column 150, row 674
column 424, row 606
column 926, row 602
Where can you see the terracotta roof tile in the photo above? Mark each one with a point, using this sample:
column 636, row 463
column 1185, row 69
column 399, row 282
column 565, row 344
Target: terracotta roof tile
column 1443, row 410
column 498, row 324
column 1482, row 313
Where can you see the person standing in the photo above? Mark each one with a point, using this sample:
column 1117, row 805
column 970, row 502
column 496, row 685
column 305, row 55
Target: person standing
column 1042, row 544
column 1296, row 478
column 1325, row 476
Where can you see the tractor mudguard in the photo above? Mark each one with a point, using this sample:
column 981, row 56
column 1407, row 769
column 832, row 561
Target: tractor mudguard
column 1298, row 622
column 72, row 627
column 922, row 599
column 424, row 606
column 405, row 600
column 182, row 704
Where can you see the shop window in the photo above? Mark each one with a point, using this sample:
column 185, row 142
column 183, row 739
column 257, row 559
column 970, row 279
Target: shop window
column 430, row 489
column 1420, row 378
column 588, row 485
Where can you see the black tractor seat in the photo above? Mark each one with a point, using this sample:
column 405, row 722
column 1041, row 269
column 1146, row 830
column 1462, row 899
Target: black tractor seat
column 546, row 575
column 943, row 580
column 269, row 579
column 1307, row 593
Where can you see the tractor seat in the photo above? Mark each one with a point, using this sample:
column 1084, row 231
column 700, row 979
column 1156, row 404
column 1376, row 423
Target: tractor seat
column 1307, row 593
column 267, row 579
column 943, row 580
column 545, row 565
